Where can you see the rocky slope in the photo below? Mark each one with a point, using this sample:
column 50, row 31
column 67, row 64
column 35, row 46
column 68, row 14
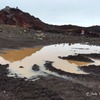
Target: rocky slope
column 14, row 16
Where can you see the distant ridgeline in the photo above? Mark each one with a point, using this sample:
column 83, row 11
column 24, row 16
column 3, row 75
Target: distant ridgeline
column 14, row 16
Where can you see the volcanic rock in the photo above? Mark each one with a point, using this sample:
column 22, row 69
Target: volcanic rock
column 35, row 67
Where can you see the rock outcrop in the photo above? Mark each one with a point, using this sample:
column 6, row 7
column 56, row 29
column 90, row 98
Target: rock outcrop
column 14, row 16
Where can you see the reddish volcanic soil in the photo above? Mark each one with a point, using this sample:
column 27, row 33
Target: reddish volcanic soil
column 14, row 16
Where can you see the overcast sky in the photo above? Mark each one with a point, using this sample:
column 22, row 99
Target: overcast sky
column 60, row 12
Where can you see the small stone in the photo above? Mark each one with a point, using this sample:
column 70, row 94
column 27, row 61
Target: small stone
column 21, row 67
column 35, row 67
column 4, row 91
column 25, row 31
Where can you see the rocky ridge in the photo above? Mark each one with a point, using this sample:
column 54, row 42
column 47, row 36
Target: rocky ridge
column 15, row 16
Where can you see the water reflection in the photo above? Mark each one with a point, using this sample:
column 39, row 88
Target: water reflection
column 27, row 57
column 15, row 55
column 78, row 63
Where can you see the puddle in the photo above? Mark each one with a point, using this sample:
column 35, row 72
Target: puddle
column 78, row 63
column 15, row 55
column 27, row 57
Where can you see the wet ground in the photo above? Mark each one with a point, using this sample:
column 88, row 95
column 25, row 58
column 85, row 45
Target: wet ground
column 29, row 62
column 50, row 86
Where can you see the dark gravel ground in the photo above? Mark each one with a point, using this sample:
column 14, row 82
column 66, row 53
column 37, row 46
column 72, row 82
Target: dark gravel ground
column 78, row 57
column 93, row 69
column 15, row 37
column 46, row 88
column 76, row 87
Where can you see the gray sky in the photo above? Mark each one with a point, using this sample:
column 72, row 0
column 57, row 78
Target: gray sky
column 60, row 12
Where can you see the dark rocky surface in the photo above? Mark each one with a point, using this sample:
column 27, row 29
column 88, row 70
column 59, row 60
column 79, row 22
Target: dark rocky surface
column 35, row 67
column 76, row 87
column 19, row 29
column 78, row 57
column 92, row 55
column 21, row 67
column 93, row 69
column 46, row 88
column 15, row 37
column 51, row 88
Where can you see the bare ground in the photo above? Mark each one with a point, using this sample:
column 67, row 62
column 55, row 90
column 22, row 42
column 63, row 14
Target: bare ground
column 76, row 87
